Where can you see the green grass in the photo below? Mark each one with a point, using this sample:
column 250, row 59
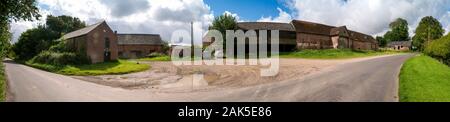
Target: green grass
column 424, row 79
column 159, row 58
column 106, row 68
column 334, row 54
column 2, row 83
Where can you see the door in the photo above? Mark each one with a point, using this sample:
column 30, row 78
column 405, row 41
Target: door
column 342, row 43
column 107, row 52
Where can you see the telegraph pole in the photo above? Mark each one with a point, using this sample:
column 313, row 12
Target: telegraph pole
column 192, row 39
column 192, row 51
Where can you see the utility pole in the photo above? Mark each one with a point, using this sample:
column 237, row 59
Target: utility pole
column 192, row 51
column 192, row 39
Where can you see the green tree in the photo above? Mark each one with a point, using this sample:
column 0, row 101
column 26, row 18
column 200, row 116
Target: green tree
column 223, row 23
column 381, row 41
column 44, row 36
column 4, row 43
column 64, row 24
column 14, row 10
column 398, row 31
column 32, row 42
column 428, row 29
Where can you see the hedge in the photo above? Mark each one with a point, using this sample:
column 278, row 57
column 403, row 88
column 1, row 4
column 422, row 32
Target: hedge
column 59, row 58
column 439, row 49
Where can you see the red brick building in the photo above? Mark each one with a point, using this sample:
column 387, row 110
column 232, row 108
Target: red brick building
column 98, row 42
column 307, row 35
column 400, row 45
column 138, row 45
column 319, row 36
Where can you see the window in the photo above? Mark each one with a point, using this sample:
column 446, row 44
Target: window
column 107, row 43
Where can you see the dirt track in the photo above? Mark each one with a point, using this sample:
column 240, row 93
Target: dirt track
column 165, row 75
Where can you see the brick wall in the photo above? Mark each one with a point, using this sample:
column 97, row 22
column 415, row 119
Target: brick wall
column 96, row 43
column 313, row 41
column 137, row 51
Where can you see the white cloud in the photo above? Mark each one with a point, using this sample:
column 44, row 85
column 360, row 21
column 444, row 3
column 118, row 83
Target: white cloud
column 235, row 15
column 282, row 17
column 370, row 16
column 445, row 21
column 160, row 17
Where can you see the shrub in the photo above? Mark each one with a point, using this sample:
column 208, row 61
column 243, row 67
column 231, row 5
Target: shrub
column 155, row 54
column 439, row 49
column 59, row 58
column 59, row 47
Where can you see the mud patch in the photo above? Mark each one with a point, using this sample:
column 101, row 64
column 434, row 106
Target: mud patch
column 165, row 75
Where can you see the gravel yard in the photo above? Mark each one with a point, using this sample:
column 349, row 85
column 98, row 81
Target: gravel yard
column 165, row 75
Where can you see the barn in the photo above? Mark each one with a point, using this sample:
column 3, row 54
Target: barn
column 98, row 42
column 139, row 45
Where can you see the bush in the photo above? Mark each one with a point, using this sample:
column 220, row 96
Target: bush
column 59, row 47
column 439, row 49
column 59, row 58
column 155, row 54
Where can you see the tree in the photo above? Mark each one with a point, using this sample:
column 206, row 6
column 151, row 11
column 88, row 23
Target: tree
column 32, row 42
column 223, row 23
column 381, row 41
column 14, row 10
column 428, row 29
column 398, row 31
column 64, row 24
column 44, row 36
column 4, row 43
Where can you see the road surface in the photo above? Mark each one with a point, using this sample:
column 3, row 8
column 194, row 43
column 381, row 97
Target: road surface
column 374, row 79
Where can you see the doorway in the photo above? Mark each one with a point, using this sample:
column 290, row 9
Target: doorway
column 107, row 52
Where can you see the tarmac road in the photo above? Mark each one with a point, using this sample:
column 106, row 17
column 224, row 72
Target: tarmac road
column 374, row 79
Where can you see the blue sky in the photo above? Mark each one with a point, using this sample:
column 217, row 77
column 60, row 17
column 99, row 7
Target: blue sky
column 249, row 10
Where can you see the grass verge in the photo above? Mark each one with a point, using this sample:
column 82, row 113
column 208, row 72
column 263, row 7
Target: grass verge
column 424, row 79
column 159, row 58
column 106, row 68
column 2, row 83
column 334, row 54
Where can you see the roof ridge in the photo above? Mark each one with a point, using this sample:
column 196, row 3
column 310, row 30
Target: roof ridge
column 137, row 34
column 308, row 22
column 83, row 31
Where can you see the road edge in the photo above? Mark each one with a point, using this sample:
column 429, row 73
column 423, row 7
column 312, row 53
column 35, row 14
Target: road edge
column 397, row 98
column 9, row 96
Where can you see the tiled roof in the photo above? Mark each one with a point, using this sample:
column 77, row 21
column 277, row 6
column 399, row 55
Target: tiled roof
column 338, row 30
column 82, row 31
column 404, row 43
column 357, row 36
column 312, row 28
column 150, row 39
column 265, row 26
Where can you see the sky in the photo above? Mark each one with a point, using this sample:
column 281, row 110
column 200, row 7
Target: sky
column 166, row 16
